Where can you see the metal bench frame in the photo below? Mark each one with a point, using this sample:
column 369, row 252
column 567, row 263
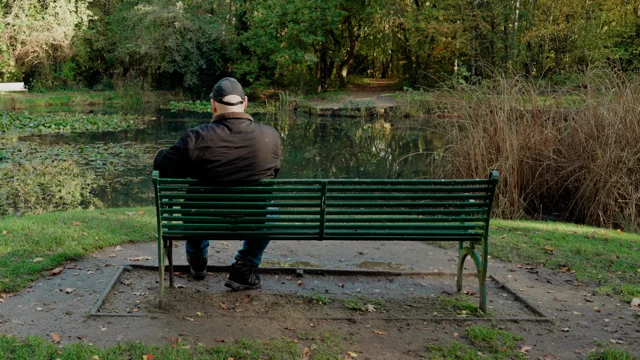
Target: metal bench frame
column 333, row 209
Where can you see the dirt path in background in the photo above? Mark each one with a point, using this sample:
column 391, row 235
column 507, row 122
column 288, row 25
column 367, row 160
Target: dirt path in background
column 286, row 308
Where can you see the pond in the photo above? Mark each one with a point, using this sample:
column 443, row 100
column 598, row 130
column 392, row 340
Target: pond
column 313, row 148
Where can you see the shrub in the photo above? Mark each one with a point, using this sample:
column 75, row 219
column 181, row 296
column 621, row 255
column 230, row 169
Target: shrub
column 40, row 187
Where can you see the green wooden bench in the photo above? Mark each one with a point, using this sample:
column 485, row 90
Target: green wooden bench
column 335, row 209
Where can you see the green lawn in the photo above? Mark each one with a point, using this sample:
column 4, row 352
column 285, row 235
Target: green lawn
column 61, row 236
column 607, row 258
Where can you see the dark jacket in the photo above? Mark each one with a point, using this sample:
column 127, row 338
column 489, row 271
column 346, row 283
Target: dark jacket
column 231, row 148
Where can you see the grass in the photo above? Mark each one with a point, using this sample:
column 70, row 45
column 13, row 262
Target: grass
column 9, row 101
column 486, row 343
column 459, row 305
column 33, row 348
column 608, row 258
column 63, row 236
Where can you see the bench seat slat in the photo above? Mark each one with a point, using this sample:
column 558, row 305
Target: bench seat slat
column 328, row 219
column 409, row 196
column 239, row 205
column 329, row 212
column 212, row 212
column 169, row 188
column 406, row 204
column 350, row 227
column 228, row 197
column 382, row 212
column 333, row 182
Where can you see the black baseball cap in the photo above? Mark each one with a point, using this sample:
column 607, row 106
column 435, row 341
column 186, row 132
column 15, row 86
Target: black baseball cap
column 225, row 87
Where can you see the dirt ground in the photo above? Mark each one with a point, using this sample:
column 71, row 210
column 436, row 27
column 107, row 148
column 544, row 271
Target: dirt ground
column 293, row 307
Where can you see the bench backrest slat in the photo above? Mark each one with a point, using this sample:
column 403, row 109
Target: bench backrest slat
column 334, row 209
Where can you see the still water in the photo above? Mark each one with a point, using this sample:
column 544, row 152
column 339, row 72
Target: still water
column 313, row 148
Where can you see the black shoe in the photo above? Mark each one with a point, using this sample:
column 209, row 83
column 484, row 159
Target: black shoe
column 243, row 277
column 198, row 267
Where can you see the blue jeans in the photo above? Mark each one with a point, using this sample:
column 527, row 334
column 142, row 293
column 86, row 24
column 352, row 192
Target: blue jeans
column 251, row 252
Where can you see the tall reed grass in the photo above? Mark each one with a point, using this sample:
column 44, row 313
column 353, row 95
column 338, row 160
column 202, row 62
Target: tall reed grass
column 571, row 152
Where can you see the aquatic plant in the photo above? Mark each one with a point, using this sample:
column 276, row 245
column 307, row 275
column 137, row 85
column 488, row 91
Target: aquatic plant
column 25, row 123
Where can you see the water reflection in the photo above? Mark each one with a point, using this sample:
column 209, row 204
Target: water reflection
column 313, row 148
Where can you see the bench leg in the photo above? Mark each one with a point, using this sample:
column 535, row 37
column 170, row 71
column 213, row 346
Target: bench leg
column 480, row 262
column 161, row 271
column 169, row 251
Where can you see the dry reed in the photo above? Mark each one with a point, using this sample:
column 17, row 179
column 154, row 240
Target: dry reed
column 573, row 153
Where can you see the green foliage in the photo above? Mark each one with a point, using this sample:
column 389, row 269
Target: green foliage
column 193, row 44
column 309, row 45
column 285, row 38
column 33, row 188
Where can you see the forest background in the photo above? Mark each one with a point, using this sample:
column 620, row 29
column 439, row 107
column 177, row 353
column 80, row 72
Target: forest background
column 308, row 45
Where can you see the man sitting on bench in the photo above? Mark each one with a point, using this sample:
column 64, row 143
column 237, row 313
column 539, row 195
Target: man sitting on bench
column 231, row 148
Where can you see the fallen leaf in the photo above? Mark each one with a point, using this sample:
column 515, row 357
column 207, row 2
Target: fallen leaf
column 379, row 332
column 371, row 308
column 352, row 354
column 55, row 337
column 565, row 329
column 247, row 300
column 69, row 290
column 148, row 357
column 118, row 248
column 614, row 341
column 225, row 306
column 125, row 282
column 188, row 318
column 576, row 313
column 76, row 223
column 619, row 231
column 113, row 255
column 37, row 260
column 577, row 351
column 470, row 293
column 635, row 303
column 139, row 258
column 55, row 271
column 306, row 353
column 341, row 285
column 564, row 269
column 135, row 309
column 455, row 334
column 4, row 232
column 300, row 283
column 549, row 248
column 95, row 357
column 180, row 286
column 175, row 341
column 198, row 313
column 525, row 349
column 597, row 309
